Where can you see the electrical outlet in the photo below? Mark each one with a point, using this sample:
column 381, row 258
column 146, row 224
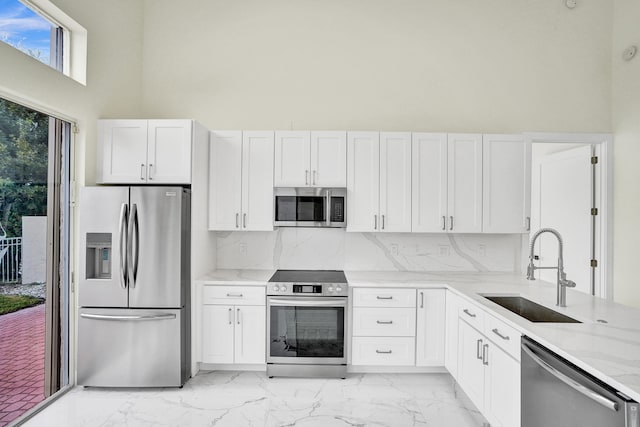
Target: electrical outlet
column 394, row 249
column 444, row 250
column 482, row 250
column 243, row 248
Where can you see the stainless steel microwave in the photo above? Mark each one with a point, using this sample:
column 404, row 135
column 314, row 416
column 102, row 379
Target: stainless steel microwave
column 310, row 207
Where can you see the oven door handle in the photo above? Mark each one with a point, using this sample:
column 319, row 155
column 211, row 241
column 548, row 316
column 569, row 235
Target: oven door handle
column 308, row 302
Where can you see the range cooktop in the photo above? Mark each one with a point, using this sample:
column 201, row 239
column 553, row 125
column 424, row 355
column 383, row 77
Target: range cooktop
column 309, row 276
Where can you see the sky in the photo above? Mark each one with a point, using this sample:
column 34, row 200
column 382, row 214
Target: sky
column 24, row 29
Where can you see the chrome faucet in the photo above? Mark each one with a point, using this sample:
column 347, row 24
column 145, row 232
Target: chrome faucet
column 562, row 283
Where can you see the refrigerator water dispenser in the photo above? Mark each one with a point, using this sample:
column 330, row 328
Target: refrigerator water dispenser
column 98, row 256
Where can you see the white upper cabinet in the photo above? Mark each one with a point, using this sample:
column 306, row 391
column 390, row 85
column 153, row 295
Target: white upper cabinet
column 429, row 182
column 225, row 180
column 363, row 181
column 241, row 181
column 329, row 159
column 310, row 159
column 144, row 151
column 292, row 158
column 506, row 184
column 464, row 182
column 395, row 182
column 379, row 181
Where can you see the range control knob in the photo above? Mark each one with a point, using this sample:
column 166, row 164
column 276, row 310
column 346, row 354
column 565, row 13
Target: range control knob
column 330, row 288
column 276, row 288
column 338, row 288
column 283, row 288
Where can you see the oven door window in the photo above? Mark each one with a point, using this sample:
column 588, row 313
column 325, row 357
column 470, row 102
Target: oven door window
column 307, row 331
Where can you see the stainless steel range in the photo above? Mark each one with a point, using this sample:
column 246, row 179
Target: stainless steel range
column 307, row 324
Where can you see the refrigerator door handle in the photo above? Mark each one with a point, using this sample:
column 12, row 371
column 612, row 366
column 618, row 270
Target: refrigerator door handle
column 128, row 317
column 124, row 222
column 133, row 232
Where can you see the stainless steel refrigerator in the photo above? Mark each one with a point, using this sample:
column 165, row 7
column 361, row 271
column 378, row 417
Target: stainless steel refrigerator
column 134, row 319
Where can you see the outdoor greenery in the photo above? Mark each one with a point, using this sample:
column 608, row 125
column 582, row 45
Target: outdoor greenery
column 11, row 303
column 24, row 142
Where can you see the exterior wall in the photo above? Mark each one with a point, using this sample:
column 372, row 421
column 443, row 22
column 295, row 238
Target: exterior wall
column 34, row 249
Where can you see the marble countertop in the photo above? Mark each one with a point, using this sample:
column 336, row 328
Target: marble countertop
column 610, row 351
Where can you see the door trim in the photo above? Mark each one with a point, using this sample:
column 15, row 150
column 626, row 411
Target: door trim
column 603, row 143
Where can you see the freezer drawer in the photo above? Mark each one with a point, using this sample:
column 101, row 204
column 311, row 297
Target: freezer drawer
column 132, row 347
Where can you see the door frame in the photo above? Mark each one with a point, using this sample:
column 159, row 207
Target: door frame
column 603, row 197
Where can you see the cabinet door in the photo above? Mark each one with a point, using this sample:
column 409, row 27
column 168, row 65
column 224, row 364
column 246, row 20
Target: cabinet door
column 464, row 201
column 329, row 159
column 225, row 180
column 470, row 368
column 169, row 151
column 122, row 152
column 506, row 184
column 451, row 334
column 292, row 157
column 502, row 389
column 395, row 182
column 217, row 333
column 430, row 327
column 250, row 334
column 257, row 181
column 429, row 182
column 363, row 181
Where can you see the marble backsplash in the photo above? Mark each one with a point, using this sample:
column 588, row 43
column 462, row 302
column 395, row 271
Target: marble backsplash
column 309, row 248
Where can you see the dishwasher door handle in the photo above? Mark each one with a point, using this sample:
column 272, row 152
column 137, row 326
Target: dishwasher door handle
column 580, row 388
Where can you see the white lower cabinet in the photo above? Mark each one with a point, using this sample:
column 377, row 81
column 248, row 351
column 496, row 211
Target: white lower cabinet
column 430, row 327
column 452, row 305
column 233, row 332
column 489, row 376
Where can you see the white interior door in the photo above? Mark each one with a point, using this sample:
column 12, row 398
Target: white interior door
column 563, row 200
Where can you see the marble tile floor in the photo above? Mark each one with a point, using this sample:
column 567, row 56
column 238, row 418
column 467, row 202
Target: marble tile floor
column 251, row 399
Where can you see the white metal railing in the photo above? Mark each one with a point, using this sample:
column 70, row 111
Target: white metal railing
column 10, row 260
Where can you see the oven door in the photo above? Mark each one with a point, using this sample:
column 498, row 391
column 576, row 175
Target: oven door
column 306, row 330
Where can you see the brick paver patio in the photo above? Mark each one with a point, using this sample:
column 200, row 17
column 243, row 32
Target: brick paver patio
column 21, row 362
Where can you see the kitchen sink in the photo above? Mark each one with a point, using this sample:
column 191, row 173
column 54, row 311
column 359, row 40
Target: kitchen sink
column 530, row 310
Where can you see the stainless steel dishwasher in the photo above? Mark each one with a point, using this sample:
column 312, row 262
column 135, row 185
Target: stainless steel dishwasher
column 558, row 393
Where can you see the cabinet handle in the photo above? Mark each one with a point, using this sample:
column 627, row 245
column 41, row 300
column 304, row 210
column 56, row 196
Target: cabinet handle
column 383, row 222
column 306, row 177
column 444, row 222
column 244, row 220
column 485, row 354
column 234, row 295
column 497, row 332
column 150, row 166
column 468, row 313
column 383, row 351
column 478, row 349
column 375, row 222
column 451, row 224
column 238, row 315
column 421, row 299
column 314, row 178
column 237, row 215
column 379, row 297
column 142, row 171
column 528, row 222
column 384, row 322
column 231, row 316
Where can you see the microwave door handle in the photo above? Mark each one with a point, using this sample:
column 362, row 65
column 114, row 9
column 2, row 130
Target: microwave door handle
column 328, row 208
column 580, row 388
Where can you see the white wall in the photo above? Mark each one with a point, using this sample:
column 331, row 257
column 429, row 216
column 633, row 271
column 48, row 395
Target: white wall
column 436, row 65
column 626, row 127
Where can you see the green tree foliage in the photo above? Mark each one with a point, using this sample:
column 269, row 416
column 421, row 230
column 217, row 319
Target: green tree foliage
column 24, row 144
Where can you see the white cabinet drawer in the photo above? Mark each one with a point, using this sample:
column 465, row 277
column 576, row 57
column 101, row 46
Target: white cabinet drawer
column 234, row 295
column 385, row 322
column 393, row 351
column 472, row 314
column 503, row 335
column 384, row 297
